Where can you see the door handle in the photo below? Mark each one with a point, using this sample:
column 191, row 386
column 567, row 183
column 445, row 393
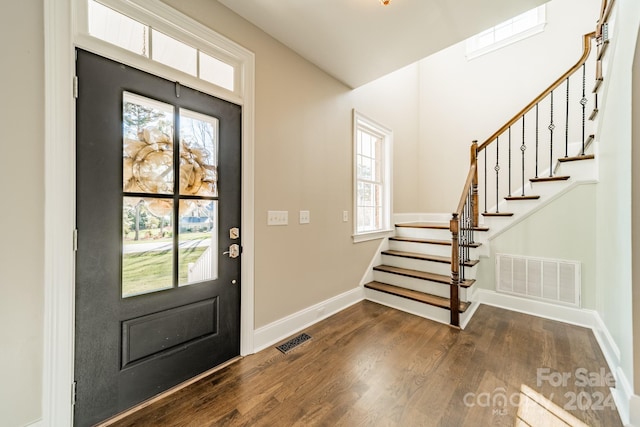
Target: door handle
column 233, row 252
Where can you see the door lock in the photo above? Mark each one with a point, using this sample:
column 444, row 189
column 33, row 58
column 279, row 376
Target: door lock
column 234, row 233
column 233, row 252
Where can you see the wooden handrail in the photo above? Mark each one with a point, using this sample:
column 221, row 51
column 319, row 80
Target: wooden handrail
column 585, row 54
column 606, row 10
column 465, row 190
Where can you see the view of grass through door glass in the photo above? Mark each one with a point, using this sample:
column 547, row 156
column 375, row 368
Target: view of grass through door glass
column 159, row 252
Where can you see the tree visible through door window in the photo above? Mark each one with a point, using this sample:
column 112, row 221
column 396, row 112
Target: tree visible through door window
column 372, row 155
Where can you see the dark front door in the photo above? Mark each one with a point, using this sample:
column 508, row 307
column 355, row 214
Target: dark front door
column 158, row 217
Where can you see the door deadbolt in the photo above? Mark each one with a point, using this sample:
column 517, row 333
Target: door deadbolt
column 233, row 252
column 234, row 233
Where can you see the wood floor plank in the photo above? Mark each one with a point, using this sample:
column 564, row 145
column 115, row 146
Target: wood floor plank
column 371, row 365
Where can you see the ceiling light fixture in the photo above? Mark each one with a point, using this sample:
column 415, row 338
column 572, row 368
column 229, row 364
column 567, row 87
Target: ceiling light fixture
column 385, row 2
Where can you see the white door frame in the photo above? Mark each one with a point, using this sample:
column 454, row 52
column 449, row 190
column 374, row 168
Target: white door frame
column 59, row 206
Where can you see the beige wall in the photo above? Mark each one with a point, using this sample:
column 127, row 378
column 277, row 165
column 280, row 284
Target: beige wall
column 462, row 100
column 21, row 180
column 551, row 233
column 303, row 157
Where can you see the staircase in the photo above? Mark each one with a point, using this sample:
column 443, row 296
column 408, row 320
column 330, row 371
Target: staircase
column 429, row 268
column 415, row 274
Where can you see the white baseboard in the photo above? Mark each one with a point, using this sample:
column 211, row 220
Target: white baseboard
column 274, row 332
column 574, row 316
column 634, row 411
column 38, row 423
column 623, row 397
column 627, row 403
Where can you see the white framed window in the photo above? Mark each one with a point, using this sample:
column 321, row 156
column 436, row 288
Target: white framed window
column 372, row 178
column 120, row 24
column 510, row 31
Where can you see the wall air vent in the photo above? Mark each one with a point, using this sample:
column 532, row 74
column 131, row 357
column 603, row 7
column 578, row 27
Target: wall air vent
column 550, row 280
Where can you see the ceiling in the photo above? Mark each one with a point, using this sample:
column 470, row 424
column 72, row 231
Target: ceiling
column 358, row 41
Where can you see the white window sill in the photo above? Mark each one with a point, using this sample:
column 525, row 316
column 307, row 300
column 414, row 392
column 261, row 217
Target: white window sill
column 364, row 237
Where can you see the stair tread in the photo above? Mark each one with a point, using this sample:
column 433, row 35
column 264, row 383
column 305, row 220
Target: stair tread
column 415, row 295
column 425, row 257
column 497, row 214
column 576, row 158
column 522, row 197
column 428, row 241
column 433, row 225
column 550, row 178
column 423, row 275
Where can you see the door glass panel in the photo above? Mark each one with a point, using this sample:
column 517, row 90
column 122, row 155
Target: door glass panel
column 147, row 145
column 198, row 240
column 198, row 154
column 147, row 245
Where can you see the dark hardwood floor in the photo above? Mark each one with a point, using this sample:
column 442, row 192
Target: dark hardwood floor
column 371, row 365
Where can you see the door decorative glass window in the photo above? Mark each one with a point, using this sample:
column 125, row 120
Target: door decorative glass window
column 169, row 231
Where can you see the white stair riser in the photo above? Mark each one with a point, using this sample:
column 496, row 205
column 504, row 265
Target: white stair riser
column 423, row 233
column 580, row 169
column 414, row 307
column 427, row 249
column 422, row 265
column 426, row 286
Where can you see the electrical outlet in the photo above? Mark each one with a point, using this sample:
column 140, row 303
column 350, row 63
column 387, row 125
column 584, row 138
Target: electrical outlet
column 277, row 217
column 345, row 216
column 305, row 217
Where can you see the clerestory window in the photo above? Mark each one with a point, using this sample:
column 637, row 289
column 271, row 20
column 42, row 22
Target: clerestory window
column 510, row 31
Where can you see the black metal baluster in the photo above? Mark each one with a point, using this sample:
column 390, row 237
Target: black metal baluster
column 551, row 128
column 470, row 225
column 486, row 184
column 583, row 102
column 461, row 235
column 523, row 148
column 497, row 168
column 566, row 125
column 509, row 161
column 536, row 140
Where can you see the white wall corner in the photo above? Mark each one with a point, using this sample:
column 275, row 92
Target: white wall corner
column 376, row 260
column 274, row 332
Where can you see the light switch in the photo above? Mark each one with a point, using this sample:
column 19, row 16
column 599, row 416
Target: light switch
column 345, row 216
column 277, row 217
column 305, row 217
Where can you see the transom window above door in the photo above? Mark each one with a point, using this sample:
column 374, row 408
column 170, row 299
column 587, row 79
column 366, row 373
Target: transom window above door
column 122, row 26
